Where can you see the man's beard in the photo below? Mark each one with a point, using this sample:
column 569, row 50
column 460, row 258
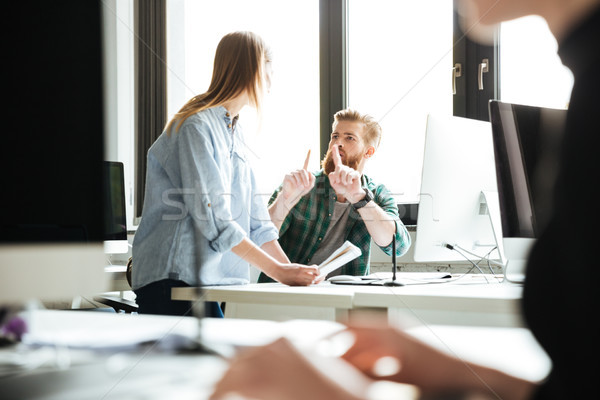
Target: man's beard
column 350, row 161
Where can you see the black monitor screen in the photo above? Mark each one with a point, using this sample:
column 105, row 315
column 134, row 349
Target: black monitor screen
column 525, row 139
column 53, row 144
column 115, row 222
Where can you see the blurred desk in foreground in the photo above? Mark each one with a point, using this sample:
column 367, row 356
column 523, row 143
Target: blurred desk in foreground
column 78, row 355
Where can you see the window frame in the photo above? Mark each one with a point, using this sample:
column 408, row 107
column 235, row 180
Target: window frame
column 333, row 59
column 469, row 101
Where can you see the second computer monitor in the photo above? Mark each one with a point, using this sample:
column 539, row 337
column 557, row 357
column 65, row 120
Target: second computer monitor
column 526, row 145
column 526, row 142
column 458, row 165
column 115, row 221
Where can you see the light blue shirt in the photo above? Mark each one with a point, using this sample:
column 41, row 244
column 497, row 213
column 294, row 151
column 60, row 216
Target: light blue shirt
column 200, row 201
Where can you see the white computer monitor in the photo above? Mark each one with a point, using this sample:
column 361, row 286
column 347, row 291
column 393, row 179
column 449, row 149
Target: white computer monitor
column 458, row 165
column 526, row 141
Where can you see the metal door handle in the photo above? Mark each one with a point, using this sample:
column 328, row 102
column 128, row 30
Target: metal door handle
column 456, row 73
column 484, row 67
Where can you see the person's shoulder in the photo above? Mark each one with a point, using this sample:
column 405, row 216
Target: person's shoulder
column 206, row 116
column 201, row 122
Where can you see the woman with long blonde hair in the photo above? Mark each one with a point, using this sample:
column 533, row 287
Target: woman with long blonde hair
column 202, row 221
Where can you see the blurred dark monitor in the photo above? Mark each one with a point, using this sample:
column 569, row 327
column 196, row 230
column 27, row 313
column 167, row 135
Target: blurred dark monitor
column 52, row 230
column 526, row 144
column 526, row 141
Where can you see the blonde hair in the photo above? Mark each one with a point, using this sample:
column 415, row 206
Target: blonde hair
column 373, row 130
column 239, row 65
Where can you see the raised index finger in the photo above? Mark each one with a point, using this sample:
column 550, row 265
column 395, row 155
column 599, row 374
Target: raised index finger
column 306, row 161
column 337, row 160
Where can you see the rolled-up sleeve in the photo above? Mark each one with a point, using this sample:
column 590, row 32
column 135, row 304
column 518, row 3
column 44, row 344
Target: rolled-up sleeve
column 206, row 193
column 386, row 201
column 402, row 239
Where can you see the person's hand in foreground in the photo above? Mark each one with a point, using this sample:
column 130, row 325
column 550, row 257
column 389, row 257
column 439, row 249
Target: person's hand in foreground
column 384, row 352
column 279, row 371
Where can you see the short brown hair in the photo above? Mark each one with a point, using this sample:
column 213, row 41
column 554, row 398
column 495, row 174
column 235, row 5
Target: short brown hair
column 372, row 128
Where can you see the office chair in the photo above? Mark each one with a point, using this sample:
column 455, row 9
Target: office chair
column 120, row 304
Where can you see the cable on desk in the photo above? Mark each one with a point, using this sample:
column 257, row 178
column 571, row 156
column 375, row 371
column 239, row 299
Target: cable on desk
column 475, row 265
column 485, row 257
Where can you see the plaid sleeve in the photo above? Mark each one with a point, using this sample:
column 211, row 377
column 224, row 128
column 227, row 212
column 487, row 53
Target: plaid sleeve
column 384, row 199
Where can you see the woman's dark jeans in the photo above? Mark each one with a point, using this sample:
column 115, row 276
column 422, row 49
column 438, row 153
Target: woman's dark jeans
column 155, row 298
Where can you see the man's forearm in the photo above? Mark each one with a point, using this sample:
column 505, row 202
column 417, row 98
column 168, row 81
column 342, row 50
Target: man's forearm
column 380, row 224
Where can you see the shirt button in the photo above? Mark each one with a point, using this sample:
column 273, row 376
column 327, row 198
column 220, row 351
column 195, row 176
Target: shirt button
column 320, row 239
column 330, row 215
column 229, row 126
column 227, row 114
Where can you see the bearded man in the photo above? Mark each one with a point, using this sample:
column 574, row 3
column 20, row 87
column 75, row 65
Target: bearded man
column 317, row 212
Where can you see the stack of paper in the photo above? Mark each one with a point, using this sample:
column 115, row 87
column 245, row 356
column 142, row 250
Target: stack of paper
column 346, row 253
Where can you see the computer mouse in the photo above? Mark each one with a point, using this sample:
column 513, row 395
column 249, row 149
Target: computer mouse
column 338, row 278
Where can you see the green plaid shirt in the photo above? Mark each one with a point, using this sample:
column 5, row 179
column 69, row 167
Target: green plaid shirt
column 306, row 224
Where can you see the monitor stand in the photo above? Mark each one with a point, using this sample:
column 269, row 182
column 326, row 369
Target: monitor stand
column 514, row 252
column 116, row 247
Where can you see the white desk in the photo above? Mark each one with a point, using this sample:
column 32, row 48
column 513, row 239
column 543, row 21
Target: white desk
column 274, row 301
column 90, row 355
column 469, row 302
column 117, row 278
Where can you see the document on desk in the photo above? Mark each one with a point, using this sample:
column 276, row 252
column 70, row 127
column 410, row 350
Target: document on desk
column 96, row 330
column 343, row 255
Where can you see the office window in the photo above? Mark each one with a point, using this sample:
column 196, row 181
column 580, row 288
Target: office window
column 290, row 123
column 118, row 45
column 530, row 70
column 399, row 70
